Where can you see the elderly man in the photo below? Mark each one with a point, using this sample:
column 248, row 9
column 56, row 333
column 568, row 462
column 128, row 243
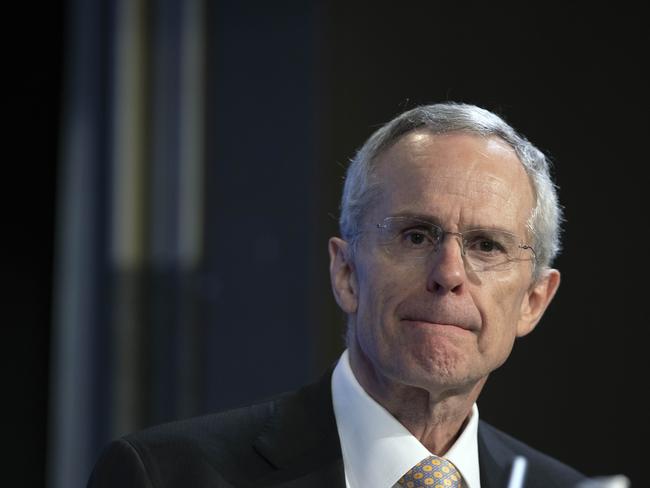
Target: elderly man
column 449, row 224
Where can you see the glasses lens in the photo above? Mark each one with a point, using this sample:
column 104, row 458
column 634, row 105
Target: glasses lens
column 490, row 249
column 411, row 240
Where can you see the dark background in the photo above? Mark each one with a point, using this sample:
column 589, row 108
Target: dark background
column 569, row 78
column 32, row 47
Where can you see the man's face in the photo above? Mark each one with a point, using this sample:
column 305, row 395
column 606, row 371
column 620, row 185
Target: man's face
column 440, row 325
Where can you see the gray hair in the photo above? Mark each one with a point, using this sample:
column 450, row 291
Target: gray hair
column 359, row 190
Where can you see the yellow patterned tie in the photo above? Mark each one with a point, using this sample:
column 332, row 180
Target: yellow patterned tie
column 432, row 472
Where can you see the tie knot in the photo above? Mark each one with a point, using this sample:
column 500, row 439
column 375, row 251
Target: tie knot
column 432, row 472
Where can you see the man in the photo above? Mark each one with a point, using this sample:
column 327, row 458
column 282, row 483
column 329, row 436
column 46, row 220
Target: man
column 449, row 224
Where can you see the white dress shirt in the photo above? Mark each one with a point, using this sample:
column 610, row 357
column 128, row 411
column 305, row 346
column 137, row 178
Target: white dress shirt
column 377, row 449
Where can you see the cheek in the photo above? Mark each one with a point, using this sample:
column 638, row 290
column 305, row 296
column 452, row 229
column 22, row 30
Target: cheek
column 376, row 301
column 508, row 294
column 379, row 296
column 500, row 309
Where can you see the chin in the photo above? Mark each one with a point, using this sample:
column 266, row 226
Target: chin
column 440, row 367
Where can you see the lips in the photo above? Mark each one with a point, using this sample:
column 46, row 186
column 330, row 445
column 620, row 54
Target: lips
column 455, row 319
column 437, row 322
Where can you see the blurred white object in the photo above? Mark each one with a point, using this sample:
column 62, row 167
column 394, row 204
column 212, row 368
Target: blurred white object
column 618, row 481
column 518, row 472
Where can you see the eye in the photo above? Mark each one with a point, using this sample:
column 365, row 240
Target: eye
column 415, row 237
column 485, row 244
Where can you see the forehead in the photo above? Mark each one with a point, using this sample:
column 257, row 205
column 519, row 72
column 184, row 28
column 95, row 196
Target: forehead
column 461, row 179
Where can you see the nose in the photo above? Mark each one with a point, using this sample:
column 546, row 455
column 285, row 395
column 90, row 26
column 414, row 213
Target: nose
column 447, row 273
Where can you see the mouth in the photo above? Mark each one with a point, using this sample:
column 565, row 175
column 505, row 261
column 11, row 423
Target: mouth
column 435, row 322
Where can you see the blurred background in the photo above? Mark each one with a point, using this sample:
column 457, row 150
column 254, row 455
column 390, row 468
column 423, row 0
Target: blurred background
column 174, row 173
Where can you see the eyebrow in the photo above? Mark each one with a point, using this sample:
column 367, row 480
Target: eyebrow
column 432, row 219
column 410, row 215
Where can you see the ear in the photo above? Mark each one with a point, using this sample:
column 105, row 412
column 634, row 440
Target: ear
column 536, row 300
column 342, row 275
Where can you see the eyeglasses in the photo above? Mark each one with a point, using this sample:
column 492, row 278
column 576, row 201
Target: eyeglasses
column 411, row 240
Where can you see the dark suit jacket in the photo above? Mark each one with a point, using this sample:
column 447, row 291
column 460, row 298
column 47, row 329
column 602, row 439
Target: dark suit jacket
column 288, row 442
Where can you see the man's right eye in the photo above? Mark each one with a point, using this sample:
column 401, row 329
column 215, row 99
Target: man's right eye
column 415, row 237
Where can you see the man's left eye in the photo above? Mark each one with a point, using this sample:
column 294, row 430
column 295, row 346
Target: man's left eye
column 416, row 238
column 487, row 246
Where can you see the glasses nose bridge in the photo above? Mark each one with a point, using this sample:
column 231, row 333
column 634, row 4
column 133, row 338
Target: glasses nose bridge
column 459, row 237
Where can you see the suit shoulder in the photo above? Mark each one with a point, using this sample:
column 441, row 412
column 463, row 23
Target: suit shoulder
column 542, row 468
column 229, row 425
column 119, row 465
column 242, row 447
column 209, row 450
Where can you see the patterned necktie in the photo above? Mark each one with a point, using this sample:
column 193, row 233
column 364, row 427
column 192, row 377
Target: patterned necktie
column 432, row 472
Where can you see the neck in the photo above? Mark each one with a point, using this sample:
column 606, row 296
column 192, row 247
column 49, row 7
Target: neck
column 434, row 414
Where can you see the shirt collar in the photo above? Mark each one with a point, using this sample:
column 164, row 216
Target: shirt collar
column 377, row 449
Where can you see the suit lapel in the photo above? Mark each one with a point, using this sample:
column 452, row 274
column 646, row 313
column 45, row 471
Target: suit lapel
column 495, row 459
column 300, row 440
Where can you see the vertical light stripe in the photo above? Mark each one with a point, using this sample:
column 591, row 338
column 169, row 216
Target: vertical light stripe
column 71, row 419
column 71, row 413
column 191, row 136
column 190, row 198
column 164, row 142
column 127, row 213
column 128, row 165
